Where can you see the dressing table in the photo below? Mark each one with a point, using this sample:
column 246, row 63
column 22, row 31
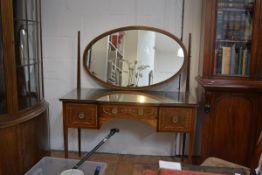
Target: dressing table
column 129, row 94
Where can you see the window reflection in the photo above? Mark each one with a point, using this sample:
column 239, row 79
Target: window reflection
column 27, row 36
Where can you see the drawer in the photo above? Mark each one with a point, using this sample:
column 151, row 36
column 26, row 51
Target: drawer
column 122, row 111
column 81, row 115
column 177, row 119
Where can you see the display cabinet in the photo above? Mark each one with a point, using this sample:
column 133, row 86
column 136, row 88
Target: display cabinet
column 23, row 110
column 230, row 78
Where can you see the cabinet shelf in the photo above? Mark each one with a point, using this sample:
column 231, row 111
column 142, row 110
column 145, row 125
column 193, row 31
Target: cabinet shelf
column 26, row 20
column 233, row 41
column 233, row 9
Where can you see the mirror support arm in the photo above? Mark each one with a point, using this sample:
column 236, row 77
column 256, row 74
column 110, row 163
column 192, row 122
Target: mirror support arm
column 188, row 63
column 78, row 62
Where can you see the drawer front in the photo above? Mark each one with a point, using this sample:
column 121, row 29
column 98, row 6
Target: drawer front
column 81, row 115
column 176, row 119
column 120, row 111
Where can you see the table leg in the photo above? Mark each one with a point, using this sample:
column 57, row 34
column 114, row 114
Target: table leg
column 66, row 141
column 183, row 147
column 191, row 143
column 79, row 141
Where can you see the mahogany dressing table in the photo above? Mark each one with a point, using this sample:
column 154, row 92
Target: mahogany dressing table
column 129, row 82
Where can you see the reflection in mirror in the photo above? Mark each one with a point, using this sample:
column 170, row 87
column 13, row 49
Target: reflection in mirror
column 135, row 58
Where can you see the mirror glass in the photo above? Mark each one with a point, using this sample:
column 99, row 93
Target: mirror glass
column 134, row 58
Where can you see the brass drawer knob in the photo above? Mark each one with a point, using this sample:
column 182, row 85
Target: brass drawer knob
column 175, row 119
column 114, row 111
column 81, row 115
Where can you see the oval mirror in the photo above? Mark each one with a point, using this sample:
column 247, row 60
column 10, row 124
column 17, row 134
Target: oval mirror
column 135, row 57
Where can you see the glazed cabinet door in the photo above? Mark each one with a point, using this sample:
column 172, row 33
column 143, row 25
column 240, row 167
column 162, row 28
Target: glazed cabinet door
column 3, row 108
column 229, row 126
column 27, row 35
column 232, row 39
column 258, row 41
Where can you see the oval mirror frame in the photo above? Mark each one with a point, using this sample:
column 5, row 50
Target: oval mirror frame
column 127, row 28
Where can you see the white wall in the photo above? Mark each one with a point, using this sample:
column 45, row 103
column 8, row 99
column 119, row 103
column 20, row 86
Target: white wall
column 146, row 55
column 99, row 58
column 61, row 21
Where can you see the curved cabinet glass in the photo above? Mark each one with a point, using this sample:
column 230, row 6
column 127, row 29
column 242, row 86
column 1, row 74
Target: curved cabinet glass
column 27, row 47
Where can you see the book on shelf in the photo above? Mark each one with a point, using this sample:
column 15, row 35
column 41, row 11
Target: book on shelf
column 232, row 59
column 248, row 63
column 231, row 4
column 240, row 61
column 244, row 66
column 220, row 24
column 233, row 24
column 226, row 51
column 235, row 60
column 248, row 29
column 218, row 62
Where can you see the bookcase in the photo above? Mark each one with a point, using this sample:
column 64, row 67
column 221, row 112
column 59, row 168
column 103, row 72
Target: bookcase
column 230, row 80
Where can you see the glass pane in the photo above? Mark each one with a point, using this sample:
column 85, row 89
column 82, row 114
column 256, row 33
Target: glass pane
column 31, row 10
column 34, row 84
column 233, row 37
column 32, row 42
column 19, row 9
column 21, row 35
column 28, row 85
column 28, row 49
column 23, row 86
column 2, row 80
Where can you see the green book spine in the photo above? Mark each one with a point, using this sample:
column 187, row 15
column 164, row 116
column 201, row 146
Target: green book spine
column 244, row 67
column 219, row 61
column 226, row 24
column 232, row 59
column 240, row 64
column 236, row 61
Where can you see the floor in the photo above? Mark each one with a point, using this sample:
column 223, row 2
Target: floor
column 118, row 164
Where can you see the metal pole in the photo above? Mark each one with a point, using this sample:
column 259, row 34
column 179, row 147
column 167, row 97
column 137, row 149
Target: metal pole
column 112, row 132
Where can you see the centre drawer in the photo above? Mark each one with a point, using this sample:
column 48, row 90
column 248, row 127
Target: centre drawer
column 126, row 111
column 81, row 115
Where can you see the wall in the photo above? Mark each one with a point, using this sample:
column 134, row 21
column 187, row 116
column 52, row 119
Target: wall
column 146, row 55
column 61, row 21
column 99, row 59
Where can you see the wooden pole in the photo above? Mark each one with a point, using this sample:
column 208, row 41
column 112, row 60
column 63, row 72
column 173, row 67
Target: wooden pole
column 188, row 63
column 78, row 62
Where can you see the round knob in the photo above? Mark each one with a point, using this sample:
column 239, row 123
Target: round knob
column 114, row 111
column 175, row 119
column 81, row 115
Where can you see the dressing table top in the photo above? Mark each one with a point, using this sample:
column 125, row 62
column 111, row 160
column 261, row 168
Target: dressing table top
column 139, row 97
